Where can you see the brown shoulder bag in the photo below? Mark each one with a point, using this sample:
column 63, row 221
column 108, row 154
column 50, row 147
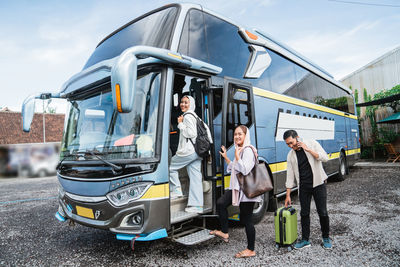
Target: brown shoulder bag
column 257, row 181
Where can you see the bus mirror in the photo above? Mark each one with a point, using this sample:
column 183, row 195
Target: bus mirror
column 258, row 63
column 123, row 80
column 28, row 110
column 124, row 71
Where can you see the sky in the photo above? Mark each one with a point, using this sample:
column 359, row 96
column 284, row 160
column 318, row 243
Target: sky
column 44, row 42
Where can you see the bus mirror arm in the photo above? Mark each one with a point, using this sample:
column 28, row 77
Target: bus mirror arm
column 28, row 108
column 124, row 71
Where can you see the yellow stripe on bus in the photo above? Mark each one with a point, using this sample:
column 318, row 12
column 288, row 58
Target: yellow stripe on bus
column 291, row 100
column 277, row 167
column 334, row 155
column 282, row 166
column 353, row 151
column 157, row 191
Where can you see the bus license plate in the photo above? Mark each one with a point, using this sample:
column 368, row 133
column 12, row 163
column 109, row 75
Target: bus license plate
column 84, row 212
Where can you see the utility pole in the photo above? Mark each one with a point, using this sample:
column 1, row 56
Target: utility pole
column 44, row 125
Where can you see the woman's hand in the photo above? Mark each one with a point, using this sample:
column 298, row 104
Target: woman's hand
column 224, row 155
column 237, row 152
column 180, row 119
column 223, row 152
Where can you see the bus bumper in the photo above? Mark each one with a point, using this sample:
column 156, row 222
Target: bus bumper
column 136, row 218
column 158, row 234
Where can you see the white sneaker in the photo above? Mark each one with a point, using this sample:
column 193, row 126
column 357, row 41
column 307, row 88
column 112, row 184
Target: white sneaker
column 176, row 193
column 194, row 209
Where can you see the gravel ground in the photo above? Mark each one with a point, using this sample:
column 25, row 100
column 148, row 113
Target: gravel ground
column 364, row 217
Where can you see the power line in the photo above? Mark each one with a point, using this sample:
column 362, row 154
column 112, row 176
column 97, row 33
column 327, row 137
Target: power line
column 361, row 3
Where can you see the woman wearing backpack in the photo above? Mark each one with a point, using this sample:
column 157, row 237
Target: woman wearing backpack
column 186, row 156
column 245, row 159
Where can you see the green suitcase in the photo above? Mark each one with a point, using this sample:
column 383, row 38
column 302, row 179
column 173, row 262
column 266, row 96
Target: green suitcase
column 285, row 226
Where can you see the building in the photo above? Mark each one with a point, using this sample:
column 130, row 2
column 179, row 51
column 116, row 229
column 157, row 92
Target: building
column 19, row 149
column 381, row 74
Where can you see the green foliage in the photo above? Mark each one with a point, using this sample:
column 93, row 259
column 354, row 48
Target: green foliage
column 339, row 103
column 382, row 135
column 387, row 136
column 48, row 108
column 366, row 152
column 386, row 93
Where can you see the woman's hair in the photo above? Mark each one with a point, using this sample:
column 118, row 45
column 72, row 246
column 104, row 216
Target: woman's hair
column 244, row 128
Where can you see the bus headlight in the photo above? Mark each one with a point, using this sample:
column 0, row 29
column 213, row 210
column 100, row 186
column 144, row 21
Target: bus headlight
column 129, row 193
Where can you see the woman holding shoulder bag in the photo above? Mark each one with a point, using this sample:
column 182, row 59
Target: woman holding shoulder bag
column 245, row 159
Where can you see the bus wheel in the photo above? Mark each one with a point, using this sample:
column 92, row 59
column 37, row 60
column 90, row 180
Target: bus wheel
column 341, row 176
column 260, row 208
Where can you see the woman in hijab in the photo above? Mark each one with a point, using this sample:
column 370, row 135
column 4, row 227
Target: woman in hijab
column 245, row 158
column 187, row 157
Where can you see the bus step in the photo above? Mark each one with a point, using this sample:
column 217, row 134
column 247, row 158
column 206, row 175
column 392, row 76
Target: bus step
column 180, row 215
column 193, row 236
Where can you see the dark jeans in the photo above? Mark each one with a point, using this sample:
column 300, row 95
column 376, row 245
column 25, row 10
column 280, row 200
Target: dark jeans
column 246, row 213
column 319, row 195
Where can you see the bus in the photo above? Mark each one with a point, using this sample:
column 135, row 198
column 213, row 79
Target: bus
column 121, row 130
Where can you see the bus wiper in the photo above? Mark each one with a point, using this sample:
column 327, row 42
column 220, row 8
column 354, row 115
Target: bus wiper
column 115, row 168
column 60, row 163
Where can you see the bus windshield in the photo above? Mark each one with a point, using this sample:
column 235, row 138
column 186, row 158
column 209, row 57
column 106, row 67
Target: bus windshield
column 94, row 125
column 153, row 30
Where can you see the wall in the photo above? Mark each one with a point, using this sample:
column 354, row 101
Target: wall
column 382, row 73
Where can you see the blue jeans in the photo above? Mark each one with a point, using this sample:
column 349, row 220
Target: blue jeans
column 193, row 167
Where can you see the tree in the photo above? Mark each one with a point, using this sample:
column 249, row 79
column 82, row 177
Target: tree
column 395, row 105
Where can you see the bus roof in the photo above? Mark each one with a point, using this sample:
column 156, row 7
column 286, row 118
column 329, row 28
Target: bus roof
column 280, row 48
column 266, row 41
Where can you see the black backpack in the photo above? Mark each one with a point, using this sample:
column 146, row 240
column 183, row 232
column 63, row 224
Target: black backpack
column 203, row 139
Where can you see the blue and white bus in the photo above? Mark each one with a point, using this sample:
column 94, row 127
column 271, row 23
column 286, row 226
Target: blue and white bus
column 121, row 130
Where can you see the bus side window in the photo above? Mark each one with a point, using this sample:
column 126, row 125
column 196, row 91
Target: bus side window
column 239, row 111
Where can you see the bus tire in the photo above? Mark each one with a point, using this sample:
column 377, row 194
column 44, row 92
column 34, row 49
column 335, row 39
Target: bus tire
column 341, row 176
column 260, row 208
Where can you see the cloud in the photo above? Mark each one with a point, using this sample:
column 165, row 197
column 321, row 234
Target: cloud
column 342, row 51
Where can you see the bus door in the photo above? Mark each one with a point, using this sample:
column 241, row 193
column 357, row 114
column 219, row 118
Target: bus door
column 195, row 86
column 238, row 109
column 351, row 133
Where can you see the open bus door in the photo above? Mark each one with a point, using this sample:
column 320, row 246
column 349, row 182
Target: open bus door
column 199, row 88
column 238, row 109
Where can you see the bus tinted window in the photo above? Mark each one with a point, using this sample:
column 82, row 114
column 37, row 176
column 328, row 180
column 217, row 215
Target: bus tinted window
column 313, row 88
column 279, row 77
column 152, row 30
column 285, row 77
column 193, row 38
column 225, row 47
column 218, row 42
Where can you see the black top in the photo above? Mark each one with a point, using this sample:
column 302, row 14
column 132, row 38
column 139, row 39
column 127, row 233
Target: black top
column 305, row 171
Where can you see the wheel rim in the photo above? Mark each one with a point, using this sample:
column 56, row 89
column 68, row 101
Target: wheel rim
column 259, row 205
column 342, row 166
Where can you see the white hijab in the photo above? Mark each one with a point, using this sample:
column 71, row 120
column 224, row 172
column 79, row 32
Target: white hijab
column 192, row 105
column 234, row 183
